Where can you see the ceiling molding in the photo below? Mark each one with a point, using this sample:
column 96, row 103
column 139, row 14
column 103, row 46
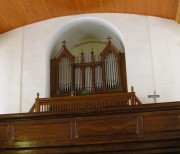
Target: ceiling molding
column 178, row 14
column 17, row 13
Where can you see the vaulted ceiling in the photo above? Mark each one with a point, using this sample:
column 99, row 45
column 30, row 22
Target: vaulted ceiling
column 16, row 13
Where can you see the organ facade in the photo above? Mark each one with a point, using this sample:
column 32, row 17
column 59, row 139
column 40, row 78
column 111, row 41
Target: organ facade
column 89, row 72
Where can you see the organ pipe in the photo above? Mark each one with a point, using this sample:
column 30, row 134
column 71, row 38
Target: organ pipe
column 64, row 75
column 111, row 71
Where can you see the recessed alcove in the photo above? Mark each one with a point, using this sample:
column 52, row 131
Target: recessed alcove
column 85, row 36
column 86, row 33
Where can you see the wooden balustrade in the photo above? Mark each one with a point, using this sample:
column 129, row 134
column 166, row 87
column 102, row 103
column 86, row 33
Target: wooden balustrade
column 87, row 102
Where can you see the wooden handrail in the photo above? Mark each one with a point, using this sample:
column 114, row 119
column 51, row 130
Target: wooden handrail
column 87, row 102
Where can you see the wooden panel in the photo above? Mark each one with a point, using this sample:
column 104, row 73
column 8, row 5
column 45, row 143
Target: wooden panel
column 42, row 130
column 161, row 123
column 178, row 14
column 16, row 13
column 106, row 129
column 4, row 132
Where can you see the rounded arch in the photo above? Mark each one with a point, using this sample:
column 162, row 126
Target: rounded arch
column 85, row 28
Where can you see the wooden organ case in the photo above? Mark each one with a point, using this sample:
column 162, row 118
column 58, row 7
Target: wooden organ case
column 88, row 73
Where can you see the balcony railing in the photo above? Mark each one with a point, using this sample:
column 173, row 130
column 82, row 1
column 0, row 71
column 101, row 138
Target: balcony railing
column 86, row 102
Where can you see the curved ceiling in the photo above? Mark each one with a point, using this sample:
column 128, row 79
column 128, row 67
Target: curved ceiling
column 88, row 29
column 16, row 13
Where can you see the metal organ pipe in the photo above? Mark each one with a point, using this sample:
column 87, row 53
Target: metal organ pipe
column 78, row 79
column 112, row 63
column 64, row 75
column 116, row 71
column 100, row 73
column 88, row 79
column 64, row 70
column 106, row 71
column 107, row 65
column 111, row 71
column 98, row 77
column 111, row 68
column 78, row 75
column 69, row 76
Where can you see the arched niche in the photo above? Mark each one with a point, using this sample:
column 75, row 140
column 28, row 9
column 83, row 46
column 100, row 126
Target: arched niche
column 86, row 36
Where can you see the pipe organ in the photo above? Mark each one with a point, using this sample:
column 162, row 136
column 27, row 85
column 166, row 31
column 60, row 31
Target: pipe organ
column 88, row 73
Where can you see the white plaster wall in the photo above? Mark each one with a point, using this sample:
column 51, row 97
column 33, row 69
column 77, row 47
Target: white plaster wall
column 10, row 71
column 138, row 53
column 152, row 58
column 165, row 41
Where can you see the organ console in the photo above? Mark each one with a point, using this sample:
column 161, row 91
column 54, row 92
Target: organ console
column 91, row 73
